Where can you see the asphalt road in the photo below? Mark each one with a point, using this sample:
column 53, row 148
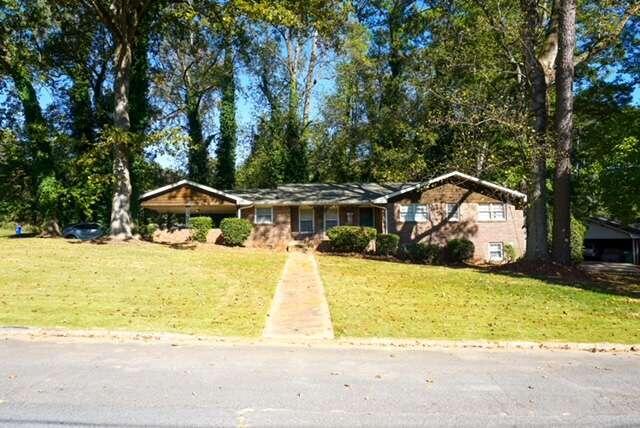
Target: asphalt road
column 131, row 385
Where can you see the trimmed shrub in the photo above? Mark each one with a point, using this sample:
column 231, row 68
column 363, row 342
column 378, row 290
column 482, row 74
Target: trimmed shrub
column 387, row 244
column 146, row 231
column 421, row 253
column 151, row 229
column 460, row 250
column 510, row 253
column 200, row 227
column 235, row 231
column 351, row 239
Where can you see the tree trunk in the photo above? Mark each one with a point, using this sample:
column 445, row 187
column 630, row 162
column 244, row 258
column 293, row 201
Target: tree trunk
column 82, row 111
column 198, row 148
column 536, row 219
column 295, row 169
column 226, row 150
column 121, row 204
column 564, row 127
column 537, row 240
column 310, row 78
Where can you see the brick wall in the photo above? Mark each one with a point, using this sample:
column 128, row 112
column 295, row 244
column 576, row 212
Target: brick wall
column 438, row 229
column 276, row 235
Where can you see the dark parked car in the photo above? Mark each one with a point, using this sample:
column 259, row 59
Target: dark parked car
column 612, row 255
column 83, row 231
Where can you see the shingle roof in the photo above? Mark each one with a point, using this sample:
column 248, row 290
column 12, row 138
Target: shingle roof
column 631, row 230
column 321, row 193
column 336, row 194
column 461, row 177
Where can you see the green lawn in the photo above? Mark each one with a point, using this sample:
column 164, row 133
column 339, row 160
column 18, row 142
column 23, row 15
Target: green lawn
column 375, row 298
column 136, row 286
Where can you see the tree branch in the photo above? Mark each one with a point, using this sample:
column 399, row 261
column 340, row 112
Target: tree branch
column 603, row 43
column 105, row 15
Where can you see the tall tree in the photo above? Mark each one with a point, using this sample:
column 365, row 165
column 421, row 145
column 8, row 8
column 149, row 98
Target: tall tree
column 188, row 73
column 600, row 29
column 225, row 176
column 123, row 19
column 538, row 64
column 564, row 128
column 290, row 40
column 606, row 170
column 24, row 24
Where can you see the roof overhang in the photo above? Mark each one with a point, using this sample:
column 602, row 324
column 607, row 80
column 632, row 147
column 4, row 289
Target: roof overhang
column 236, row 199
column 309, row 203
column 615, row 226
column 444, row 177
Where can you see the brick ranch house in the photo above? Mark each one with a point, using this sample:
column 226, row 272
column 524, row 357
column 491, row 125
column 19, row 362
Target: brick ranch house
column 453, row 205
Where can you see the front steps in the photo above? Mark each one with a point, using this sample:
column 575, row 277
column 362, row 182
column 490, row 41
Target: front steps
column 300, row 246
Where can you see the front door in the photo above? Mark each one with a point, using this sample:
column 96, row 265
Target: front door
column 366, row 216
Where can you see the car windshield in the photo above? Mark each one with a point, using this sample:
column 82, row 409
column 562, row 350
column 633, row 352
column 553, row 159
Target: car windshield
column 87, row 226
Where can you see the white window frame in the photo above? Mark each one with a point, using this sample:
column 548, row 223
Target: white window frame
column 456, row 213
column 404, row 211
column 337, row 216
column 489, row 258
column 313, row 219
column 492, row 212
column 255, row 215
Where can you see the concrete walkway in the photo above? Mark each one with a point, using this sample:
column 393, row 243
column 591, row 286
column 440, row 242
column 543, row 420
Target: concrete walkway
column 299, row 308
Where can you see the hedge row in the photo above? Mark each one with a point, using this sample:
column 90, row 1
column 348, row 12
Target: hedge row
column 355, row 239
column 351, row 239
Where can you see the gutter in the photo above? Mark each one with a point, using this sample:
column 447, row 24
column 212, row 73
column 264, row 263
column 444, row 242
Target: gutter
column 240, row 208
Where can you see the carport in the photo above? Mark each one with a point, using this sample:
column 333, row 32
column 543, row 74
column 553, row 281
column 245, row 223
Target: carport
column 607, row 239
column 189, row 198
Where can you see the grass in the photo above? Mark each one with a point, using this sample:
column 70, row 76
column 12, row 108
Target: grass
column 382, row 299
column 135, row 286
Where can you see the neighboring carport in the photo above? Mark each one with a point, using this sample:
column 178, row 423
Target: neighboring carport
column 189, row 198
column 611, row 241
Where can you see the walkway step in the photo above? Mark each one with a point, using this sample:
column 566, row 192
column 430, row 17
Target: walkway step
column 299, row 308
column 299, row 246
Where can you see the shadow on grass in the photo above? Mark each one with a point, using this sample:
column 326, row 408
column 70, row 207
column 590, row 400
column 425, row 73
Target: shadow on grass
column 23, row 236
column 551, row 274
column 392, row 259
column 572, row 276
column 107, row 240
column 177, row 245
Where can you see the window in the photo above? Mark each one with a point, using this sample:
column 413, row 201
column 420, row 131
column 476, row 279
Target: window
column 453, row 212
column 414, row 212
column 306, row 220
column 264, row 215
column 350, row 217
column 491, row 212
column 496, row 251
column 331, row 218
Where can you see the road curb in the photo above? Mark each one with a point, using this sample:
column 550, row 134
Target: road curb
column 180, row 339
